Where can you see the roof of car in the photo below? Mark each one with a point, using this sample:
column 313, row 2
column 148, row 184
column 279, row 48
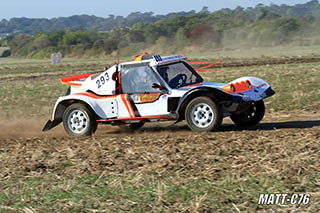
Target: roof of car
column 156, row 59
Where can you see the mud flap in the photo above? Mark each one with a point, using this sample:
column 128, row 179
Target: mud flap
column 51, row 124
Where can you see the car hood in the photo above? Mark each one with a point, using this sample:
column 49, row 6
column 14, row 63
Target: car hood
column 204, row 84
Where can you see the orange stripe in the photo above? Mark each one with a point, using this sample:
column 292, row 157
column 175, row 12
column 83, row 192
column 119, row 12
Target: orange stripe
column 71, row 84
column 126, row 104
column 211, row 65
column 205, row 70
column 200, row 62
column 137, row 118
column 130, row 107
column 67, row 80
column 75, row 77
column 95, row 96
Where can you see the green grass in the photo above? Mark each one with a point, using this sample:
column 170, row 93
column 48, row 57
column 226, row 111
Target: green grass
column 29, row 98
column 14, row 66
column 144, row 194
column 12, row 62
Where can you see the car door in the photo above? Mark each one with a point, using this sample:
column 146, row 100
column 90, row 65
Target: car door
column 141, row 92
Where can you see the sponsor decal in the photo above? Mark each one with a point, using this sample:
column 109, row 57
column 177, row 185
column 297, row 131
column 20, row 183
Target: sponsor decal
column 148, row 98
column 157, row 58
column 238, row 87
column 262, row 85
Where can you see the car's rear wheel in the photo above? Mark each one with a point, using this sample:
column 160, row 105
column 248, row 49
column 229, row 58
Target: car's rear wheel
column 203, row 115
column 78, row 120
column 251, row 117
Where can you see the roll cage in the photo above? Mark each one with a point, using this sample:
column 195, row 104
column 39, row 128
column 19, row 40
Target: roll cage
column 166, row 76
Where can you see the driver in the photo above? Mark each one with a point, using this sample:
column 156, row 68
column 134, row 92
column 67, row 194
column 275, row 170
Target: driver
column 179, row 80
column 163, row 71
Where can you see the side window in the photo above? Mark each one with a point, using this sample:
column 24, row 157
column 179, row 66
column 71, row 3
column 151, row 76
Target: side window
column 138, row 79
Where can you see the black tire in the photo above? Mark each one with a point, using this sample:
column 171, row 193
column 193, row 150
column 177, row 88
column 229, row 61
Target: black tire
column 78, row 120
column 251, row 117
column 131, row 127
column 203, row 115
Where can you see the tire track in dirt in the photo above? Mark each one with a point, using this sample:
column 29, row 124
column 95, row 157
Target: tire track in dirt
column 29, row 128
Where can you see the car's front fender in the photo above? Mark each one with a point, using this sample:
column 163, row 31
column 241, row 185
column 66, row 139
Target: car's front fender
column 258, row 89
column 216, row 94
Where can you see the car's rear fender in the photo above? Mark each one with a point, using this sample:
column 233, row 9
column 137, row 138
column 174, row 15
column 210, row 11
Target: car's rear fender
column 63, row 103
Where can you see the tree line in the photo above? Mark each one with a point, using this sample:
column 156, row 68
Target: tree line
column 86, row 22
column 226, row 28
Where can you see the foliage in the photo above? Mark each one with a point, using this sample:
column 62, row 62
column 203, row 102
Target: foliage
column 4, row 52
column 260, row 26
column 86, row 22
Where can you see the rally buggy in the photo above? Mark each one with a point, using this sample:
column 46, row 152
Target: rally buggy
column 155, row 88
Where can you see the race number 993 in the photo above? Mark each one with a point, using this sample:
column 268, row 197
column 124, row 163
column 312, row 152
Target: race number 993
column 102, row 80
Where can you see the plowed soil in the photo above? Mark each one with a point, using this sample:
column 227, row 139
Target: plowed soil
column 281, row 154
column 161, row 147
column 284, row 147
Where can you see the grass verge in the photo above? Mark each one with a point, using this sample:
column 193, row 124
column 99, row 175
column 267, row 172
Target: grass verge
column 144, row 194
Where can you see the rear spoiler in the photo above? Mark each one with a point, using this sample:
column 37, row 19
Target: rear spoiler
column 75, row 80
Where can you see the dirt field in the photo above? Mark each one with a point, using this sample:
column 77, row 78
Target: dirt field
column 158, row 168
column 279, row 155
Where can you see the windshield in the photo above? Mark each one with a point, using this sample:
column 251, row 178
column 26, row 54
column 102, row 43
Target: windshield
column 179, row 75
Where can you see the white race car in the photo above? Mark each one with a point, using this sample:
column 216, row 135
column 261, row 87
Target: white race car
column 153, row 88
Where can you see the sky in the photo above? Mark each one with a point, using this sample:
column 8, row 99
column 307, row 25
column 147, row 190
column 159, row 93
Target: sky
column 64, row 8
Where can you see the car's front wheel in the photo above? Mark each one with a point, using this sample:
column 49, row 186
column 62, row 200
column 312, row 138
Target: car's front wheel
column 203, row 115
column 78, row 120
column 251, row 117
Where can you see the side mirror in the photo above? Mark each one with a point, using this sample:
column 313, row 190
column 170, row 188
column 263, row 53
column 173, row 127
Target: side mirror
column 157, row 86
